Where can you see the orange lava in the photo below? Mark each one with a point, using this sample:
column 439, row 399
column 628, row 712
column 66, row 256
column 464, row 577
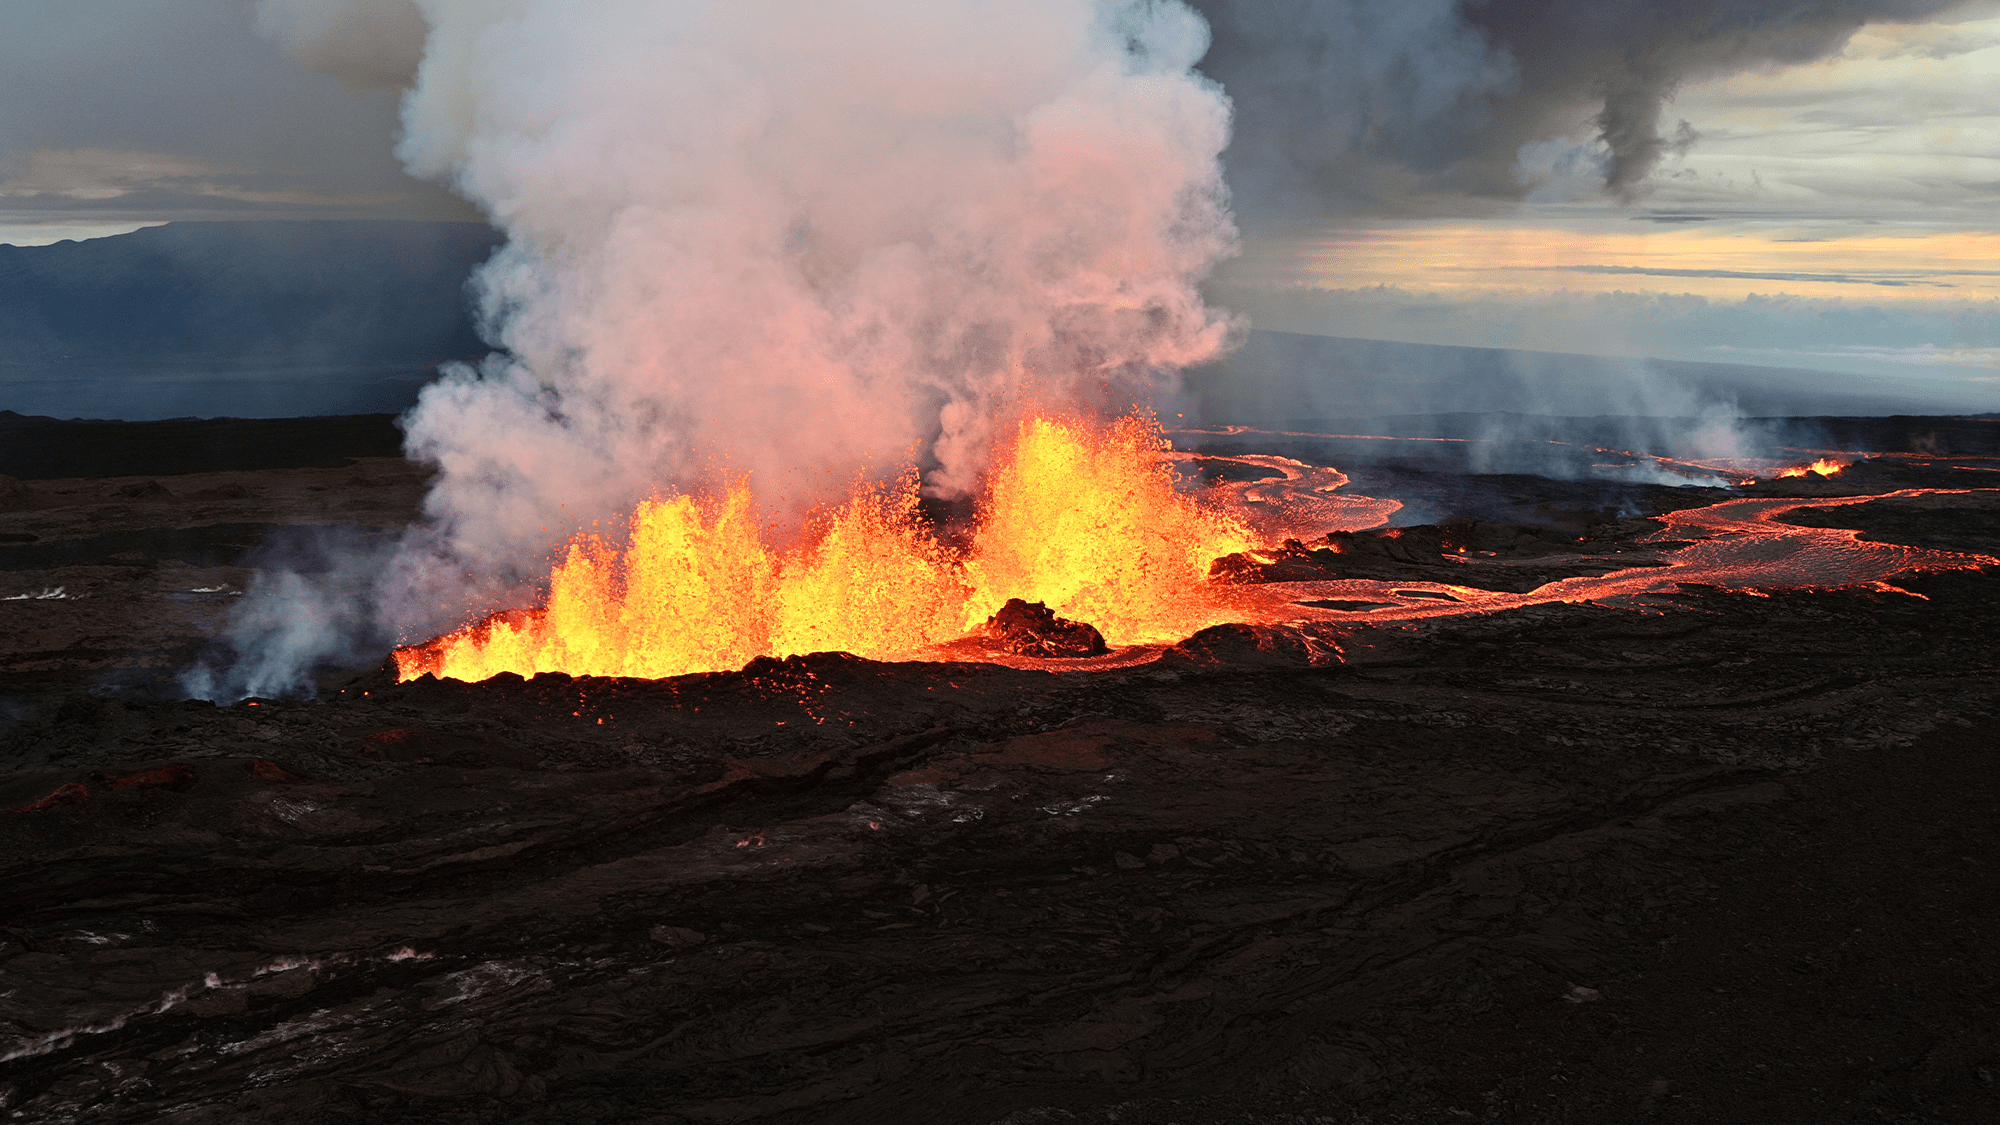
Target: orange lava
column 1825, row 466
column 1081, row 517
column 1089, row 522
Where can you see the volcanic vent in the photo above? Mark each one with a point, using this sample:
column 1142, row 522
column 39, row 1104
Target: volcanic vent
column 1085, row 541
column 1084, row 520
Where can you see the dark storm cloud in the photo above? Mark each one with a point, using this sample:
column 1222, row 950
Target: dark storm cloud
column 1343, row 103
column 1401, row 104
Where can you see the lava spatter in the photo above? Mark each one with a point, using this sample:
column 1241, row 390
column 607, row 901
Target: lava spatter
column 1824, row 466
column 696, row 589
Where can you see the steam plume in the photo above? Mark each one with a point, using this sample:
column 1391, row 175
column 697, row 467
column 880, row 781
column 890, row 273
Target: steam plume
column 803, row 237
column 794, row 240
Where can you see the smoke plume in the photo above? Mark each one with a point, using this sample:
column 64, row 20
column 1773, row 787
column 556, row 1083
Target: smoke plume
column 1342, row 105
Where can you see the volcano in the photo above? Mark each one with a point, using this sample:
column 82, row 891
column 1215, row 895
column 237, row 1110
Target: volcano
column 1495, row 797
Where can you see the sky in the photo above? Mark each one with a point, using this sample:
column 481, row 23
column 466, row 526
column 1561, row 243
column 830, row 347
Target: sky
column 1823, row 197
column 1836, row 215
column 118, row 114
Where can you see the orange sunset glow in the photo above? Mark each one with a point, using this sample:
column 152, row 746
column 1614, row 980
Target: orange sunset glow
column 1916, row 265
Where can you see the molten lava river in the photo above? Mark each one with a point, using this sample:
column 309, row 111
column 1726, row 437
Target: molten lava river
column 1093, row 521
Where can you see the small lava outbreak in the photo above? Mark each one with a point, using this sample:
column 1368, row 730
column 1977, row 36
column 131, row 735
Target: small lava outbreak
column 1824, row 466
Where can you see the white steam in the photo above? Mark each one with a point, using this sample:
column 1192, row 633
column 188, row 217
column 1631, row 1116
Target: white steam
column 798, row 240
column 802, row 240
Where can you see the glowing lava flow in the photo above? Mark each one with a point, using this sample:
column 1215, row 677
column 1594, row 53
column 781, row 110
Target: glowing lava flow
column 1736, row 545
column 1733, row 470
column 1089, row 521
column 1084, row 519
column 1302, row 502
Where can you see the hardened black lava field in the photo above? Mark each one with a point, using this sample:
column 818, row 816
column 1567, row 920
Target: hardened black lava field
column 1732, row 858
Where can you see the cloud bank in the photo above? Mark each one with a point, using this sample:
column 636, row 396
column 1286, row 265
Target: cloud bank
column 1938, row 354
column 1342, row 106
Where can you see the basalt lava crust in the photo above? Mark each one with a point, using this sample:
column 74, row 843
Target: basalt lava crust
column 1734, row 861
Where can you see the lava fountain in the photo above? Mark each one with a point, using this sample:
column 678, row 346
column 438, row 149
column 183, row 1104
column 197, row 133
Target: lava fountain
column 1083, row 518
column 1824, row 467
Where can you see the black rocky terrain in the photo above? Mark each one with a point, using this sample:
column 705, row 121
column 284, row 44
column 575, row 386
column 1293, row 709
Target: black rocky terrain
column 1730, row 859
column 1033, row 629
column 41, row 448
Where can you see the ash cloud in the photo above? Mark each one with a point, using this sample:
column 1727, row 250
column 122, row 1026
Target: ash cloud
column 1380, row 105
column 1340, row 105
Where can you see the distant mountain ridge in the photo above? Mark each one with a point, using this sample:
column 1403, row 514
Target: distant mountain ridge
column 314, row 292
column 292, row 319
column 242, row 318
column 1291, row 375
